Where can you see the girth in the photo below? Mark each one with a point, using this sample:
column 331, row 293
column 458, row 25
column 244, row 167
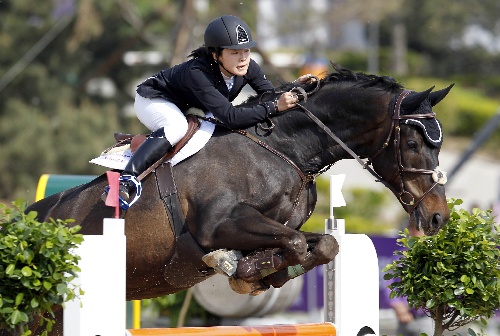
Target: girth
column 187, row 256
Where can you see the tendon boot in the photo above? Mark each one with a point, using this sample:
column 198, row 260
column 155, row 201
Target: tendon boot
column 151, row 150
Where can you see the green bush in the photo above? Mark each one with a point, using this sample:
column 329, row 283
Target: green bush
column 36, row 266
column 454, row 275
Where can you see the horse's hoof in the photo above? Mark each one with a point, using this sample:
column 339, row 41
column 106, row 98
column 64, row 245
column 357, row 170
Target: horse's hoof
column 258, row 265
column 243, row 287
column 223, row 261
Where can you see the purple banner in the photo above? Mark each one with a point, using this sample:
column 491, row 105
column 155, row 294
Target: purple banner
column 311, row 296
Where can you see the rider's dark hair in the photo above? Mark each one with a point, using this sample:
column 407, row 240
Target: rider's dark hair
column 204, row 52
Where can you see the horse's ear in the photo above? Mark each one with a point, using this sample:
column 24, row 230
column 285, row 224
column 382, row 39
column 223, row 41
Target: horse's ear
column 413, row 101
column 437, row 96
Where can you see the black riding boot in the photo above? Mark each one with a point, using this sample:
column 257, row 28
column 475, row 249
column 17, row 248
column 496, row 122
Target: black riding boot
column 151, row 150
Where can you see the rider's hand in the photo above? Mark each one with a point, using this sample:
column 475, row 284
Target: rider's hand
column 306, row 79
column 287, row 100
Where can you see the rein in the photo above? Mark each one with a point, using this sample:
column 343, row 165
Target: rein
column 305, row 178
column 409, row 203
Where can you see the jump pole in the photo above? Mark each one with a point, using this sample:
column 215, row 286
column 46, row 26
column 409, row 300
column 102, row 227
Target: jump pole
column 351, row 293
column 308, row 329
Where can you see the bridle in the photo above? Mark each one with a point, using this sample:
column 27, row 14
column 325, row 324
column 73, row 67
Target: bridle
column 439, row 177
column 406, row 198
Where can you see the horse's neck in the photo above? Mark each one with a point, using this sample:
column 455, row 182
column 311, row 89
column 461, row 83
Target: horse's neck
column 360, row 126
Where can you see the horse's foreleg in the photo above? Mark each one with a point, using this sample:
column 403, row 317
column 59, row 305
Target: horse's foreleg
column 247, row 229
column 259, row 264
column 323, row 248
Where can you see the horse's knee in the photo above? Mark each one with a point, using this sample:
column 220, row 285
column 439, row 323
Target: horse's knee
column 205, row 241
column 326, row 249
column 295, row 248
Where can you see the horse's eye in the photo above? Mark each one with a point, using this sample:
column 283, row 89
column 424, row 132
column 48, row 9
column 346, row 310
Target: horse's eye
column 412, row 144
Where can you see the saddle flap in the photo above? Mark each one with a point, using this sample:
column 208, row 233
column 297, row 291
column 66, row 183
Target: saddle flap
column 136, row 142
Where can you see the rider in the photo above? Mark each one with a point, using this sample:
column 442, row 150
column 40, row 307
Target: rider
column 209, row 81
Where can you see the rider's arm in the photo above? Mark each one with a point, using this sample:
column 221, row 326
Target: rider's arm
column 203, row 86
column 257, row 79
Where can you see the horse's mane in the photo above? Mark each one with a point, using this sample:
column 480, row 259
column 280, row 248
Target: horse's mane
column 340, row 74
column 362, row 79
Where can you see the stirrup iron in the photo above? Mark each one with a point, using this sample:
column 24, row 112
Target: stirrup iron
column 125, row 204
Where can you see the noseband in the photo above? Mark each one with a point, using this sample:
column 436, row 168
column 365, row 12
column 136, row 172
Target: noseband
column 406, row 198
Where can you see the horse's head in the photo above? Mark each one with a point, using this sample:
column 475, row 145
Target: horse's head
column 409, row 165
column 346, row 117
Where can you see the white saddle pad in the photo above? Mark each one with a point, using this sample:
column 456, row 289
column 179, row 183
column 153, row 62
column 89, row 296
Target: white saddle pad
column 117, row 158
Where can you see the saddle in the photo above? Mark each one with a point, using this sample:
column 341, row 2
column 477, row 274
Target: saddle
column 136, row 140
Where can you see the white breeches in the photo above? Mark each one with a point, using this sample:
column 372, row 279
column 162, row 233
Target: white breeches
column 156, row 113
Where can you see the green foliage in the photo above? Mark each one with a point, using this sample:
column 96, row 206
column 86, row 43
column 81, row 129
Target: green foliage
column 36, row 266
column 454, row 275
column 356, row 61
column 60, row 143
column 49, row 123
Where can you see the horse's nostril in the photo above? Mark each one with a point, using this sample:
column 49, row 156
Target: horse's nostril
column 437, row 221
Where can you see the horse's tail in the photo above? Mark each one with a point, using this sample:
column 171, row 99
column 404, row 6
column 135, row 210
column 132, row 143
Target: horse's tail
column 46, row 206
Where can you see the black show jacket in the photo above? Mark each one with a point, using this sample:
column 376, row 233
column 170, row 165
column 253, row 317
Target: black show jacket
column 198, row 83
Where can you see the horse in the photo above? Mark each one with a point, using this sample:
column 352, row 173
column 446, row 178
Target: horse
column 251, row 190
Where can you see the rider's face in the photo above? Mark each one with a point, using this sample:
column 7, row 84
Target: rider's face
column 235, row 61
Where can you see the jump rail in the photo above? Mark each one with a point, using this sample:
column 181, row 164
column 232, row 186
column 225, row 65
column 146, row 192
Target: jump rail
column 312, row 329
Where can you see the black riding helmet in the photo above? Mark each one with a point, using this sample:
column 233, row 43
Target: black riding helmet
column 228, row 32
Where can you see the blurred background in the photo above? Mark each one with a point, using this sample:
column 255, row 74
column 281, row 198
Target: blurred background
column 69, row 68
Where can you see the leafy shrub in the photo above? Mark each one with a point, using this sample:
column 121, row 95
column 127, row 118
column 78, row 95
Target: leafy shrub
column 453, row 276
column 36, row 265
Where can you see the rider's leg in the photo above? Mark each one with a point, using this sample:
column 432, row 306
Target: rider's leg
column 168, row 124
column 151, row 150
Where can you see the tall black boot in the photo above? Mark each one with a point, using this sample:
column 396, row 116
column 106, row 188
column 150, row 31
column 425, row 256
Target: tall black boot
column 151, row 150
